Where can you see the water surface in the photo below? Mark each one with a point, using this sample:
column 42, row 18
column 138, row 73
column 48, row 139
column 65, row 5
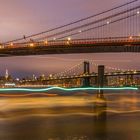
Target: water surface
column 70, row 117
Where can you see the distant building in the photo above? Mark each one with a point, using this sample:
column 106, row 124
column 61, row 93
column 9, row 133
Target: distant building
column 6, row 74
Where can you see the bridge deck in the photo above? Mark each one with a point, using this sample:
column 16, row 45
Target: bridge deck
column 72, row 48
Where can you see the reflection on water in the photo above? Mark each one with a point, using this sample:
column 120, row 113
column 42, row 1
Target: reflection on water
column 71, row 118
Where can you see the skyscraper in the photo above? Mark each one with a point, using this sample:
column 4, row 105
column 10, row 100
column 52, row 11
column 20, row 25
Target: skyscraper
column 6, row 74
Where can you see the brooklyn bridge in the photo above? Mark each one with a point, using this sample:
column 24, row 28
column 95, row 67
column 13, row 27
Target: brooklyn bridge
column 114, row 30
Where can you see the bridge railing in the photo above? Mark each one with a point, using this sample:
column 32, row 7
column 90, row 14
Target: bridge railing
column 135, row 39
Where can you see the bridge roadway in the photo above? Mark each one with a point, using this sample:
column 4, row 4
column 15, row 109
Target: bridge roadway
column 71, row 47
column 94, row 75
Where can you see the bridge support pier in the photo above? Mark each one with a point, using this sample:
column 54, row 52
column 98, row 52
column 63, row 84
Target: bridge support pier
column 86, row 80
column 100, row 80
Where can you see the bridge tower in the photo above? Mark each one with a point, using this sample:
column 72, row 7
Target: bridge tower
column 86, row 80
column 101, row 78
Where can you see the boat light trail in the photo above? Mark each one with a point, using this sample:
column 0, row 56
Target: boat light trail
column 66, row 89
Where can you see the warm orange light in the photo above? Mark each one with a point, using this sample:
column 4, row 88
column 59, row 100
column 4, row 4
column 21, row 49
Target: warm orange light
column 31, row 44
column 69, row 39
column 46, row 42
column 130, row 37
column 68, row 43
column 11, row 44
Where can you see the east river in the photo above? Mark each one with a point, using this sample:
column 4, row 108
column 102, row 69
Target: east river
column 70, row 117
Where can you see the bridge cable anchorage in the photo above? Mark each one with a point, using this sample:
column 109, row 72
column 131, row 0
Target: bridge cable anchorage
column 72, row 23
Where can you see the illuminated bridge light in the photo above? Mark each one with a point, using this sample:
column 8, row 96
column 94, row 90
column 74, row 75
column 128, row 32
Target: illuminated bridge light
column 68, row 43
column 130, row 37
column 135, row 72
column 65, row 89
column 11, row 44
column 31, row 45
column 107, row 22
column 46, row 42
column 69, row 39
column 138, row 12
column 1, row 47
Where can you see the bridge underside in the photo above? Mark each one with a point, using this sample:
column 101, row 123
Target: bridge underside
column 72, row 48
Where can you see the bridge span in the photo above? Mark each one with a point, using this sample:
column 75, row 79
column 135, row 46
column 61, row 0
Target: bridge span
column 83, row 46
column 110, row 31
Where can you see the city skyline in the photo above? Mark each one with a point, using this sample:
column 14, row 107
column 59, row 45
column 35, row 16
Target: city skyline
column 50, row 64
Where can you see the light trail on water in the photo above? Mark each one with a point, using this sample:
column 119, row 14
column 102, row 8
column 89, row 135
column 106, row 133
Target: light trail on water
column 66, row 89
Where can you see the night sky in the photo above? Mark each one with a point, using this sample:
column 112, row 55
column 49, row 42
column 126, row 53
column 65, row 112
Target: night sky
column 25, row 17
